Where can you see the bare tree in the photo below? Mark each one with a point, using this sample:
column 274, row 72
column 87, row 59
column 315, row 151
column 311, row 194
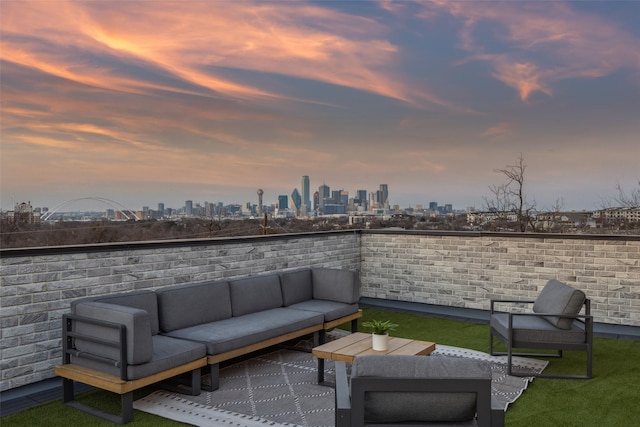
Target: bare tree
column 631, row 200
column 508, row 200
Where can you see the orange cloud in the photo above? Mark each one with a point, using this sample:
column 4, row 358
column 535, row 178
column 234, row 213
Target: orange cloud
column 547, row 42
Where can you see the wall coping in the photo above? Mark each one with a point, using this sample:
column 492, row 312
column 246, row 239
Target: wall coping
column 152, row 244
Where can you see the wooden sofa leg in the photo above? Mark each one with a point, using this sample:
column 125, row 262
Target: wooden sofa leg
column 354, row 325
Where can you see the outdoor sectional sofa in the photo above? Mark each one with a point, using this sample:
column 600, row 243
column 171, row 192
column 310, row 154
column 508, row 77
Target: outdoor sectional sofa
column 122, row 342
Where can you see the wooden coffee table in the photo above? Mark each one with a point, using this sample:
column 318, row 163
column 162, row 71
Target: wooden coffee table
column 347, row 348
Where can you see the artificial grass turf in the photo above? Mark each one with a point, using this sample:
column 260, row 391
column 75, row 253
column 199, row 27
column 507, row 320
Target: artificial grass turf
column 611, row 398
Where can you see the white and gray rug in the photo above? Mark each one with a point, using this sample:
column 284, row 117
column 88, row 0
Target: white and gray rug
column 280, row 388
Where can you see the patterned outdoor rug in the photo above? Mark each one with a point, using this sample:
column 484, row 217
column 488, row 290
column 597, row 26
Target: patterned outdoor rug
column 280, row 388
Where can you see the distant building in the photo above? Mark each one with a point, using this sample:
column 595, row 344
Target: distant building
column 384, row 194
column 23, row 213
column 296, row 200
column 283, row 202
column 306, row 192
column 188, row 207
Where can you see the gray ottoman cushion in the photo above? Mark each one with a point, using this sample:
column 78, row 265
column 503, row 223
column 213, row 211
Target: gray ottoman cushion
column 254, row 294
column 336, row 285
column 296, row 286
column 557, row 297
column 397, row 407
column 188, row 305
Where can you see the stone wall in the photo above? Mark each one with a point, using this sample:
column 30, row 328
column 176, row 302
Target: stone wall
column 468, row 269
column 451, row 269
column 39, row 284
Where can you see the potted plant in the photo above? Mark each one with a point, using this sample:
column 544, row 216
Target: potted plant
column 380, row 333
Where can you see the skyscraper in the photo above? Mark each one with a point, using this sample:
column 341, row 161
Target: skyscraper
column 324, row 194
column 306, row 192
column 384, row 194
column 283, row 202
column 296, row 200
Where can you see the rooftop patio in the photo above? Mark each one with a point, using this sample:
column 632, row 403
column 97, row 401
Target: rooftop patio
column 440, row 270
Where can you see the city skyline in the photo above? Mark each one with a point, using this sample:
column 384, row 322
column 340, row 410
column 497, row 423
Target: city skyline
column 210, row 101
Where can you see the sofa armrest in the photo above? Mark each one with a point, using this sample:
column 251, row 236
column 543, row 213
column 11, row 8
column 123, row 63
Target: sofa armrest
column 336, row 285
column 138, row 337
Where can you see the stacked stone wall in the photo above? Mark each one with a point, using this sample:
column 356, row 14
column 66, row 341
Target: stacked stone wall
column 467, row 270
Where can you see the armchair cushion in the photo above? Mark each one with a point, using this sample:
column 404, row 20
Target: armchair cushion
column 397, row 407
column 557, row 297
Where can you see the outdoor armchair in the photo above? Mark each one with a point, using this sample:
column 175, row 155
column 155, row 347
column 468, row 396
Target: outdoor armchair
column 415, row 390
column 556, row 323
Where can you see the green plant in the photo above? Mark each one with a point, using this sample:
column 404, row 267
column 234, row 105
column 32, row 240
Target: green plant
column 380, row 327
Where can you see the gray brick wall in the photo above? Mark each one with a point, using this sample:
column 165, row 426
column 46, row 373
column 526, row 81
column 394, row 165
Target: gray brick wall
column 36, row 290
column 452, row 269
column 467, row 270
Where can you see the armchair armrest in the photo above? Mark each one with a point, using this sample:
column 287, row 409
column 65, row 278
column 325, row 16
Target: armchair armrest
column 508, row 301
column 343, row 398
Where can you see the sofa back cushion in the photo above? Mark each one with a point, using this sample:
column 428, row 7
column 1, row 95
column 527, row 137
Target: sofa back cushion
column 560, row 298
column 137, row 324
column 190, row 305
column 423, row 407
column 144, row 300
column 336, row 285
column 257, row 293
column 296, row 286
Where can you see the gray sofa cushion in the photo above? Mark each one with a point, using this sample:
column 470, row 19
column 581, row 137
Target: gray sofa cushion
column 237, row 332
column 296, row 286
column 253, row 294
column 397, row 407
column 136, row 321
column 331, row 310
column 188, row 305
column 536, row 329
column 336, row 285
column 557, row 297
column 144, row 300
column 167, row 353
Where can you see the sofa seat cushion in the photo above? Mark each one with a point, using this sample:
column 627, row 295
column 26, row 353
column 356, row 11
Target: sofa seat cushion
column 193, row 304
column 536, row 329
column 399, row 407
column 559, row 298
column 331, row 310
column 236, row 332
column 168, row 353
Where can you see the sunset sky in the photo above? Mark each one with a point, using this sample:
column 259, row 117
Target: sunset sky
column 149, row 101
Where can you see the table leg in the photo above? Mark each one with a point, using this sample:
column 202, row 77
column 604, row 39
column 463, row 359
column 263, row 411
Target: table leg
column 320, row 371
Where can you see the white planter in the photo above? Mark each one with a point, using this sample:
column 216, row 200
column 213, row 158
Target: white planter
column 380, row 342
